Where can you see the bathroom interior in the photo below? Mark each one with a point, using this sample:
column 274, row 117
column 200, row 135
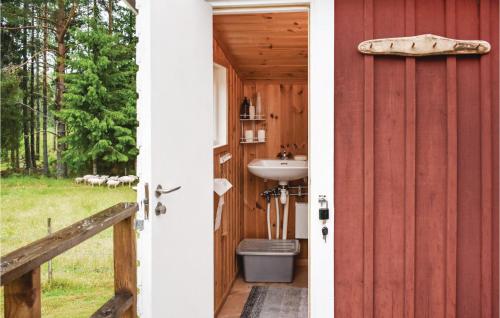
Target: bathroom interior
column 260, row 155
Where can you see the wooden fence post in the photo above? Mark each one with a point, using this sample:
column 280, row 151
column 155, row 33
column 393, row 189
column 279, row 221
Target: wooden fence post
column 49, row 263
column 22, row 296
column 125, row 262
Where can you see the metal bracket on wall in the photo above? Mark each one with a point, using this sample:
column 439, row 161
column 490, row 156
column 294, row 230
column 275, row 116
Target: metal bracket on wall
column 146, row 201
column 423, row 45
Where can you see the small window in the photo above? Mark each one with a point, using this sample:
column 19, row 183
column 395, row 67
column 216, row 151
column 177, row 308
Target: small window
column 220, row 105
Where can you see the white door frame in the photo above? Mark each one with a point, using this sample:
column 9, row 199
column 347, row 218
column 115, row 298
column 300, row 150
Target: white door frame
column 321, row 135
column 321, row 139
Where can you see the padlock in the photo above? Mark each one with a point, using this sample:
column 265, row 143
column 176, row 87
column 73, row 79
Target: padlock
column 324, row 214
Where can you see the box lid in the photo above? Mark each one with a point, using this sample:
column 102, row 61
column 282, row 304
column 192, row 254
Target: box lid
column 268, row 247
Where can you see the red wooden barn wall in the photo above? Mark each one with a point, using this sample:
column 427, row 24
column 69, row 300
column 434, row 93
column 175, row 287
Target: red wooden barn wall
column 416, row 164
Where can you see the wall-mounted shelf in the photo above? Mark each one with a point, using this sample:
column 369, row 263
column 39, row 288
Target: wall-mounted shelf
column 256, row 118
column 255, row 141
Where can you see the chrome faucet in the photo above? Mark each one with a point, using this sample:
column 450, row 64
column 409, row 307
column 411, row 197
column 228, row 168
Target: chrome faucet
column 283, row 154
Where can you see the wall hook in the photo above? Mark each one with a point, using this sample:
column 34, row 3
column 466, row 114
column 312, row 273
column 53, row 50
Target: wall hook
column 423, row 45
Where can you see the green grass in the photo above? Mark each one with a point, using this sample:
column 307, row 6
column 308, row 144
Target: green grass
column 83, row 276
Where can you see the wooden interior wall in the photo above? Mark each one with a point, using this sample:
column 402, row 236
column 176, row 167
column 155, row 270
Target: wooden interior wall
column 285, row 105
column 416, row 164
column 227, row 238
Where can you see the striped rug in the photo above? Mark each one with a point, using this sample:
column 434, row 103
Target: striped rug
column 276, row 302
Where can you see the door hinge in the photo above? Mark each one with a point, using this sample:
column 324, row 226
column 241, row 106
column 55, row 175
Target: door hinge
column 139, row 225
column 146, row 201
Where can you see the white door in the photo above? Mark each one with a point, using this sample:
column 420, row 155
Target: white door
column 174, row 81
column 174, row 53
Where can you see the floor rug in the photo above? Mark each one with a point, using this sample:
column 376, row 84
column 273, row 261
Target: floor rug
column 276, row 302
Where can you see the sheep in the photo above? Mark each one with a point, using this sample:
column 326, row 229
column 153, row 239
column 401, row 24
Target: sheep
column 87, row 177
column 79, row 180
column 97, row 180
column 113, row 183
column 128, row 179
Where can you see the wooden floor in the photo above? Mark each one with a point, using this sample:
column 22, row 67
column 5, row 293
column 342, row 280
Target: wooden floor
column 239, row 293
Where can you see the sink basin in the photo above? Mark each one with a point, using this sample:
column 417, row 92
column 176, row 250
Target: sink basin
column 279, row 170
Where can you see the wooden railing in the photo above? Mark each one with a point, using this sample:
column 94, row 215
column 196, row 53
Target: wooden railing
column 20, row 269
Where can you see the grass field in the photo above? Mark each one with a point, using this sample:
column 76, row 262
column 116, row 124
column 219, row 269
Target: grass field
column 83, row 276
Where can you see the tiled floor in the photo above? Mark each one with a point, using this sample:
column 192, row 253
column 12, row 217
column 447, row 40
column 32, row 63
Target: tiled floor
column 239, row 293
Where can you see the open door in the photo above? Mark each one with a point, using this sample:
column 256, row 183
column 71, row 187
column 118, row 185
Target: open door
column 175, row 248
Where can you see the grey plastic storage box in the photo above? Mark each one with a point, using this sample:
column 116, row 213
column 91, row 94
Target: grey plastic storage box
column 268, row 260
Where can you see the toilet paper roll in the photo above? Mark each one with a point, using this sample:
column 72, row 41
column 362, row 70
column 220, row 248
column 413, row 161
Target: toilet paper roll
column 248, row 135
column 261, row 135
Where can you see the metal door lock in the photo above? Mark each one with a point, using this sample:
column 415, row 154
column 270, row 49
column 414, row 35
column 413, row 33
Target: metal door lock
column 324, row 212
column 160, row 209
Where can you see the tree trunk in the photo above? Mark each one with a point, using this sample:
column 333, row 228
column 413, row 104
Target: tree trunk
column 94, row 166
column 44, row 96
column 37, row 112
column 24, row 87
column 110, row 16
column 13, row 158
column 60, row 70
column 17, row 158
column 32, row 91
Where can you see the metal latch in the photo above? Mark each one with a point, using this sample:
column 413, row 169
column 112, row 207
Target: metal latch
column 139, row 225
column 146, row 201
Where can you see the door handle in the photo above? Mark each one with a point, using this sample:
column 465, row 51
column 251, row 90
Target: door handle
column 159, row 190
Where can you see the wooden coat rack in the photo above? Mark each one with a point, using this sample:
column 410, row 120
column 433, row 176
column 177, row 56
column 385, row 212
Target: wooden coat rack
column 423, row 45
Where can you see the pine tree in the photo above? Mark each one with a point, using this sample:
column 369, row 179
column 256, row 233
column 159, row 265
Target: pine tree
column 100, row 97
column 11, row 116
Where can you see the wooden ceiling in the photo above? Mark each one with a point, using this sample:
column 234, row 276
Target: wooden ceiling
column 265, row 45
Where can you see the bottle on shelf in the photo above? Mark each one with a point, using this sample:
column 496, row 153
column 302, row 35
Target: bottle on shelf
column 244, row 108
column 251, row 111
column 258, row 106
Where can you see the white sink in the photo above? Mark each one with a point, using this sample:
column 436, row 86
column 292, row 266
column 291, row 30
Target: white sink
column 279, row 170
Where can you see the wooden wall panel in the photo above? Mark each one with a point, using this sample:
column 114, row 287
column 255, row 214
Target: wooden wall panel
column 227, row 238
column 416, row 164
column 285, row 105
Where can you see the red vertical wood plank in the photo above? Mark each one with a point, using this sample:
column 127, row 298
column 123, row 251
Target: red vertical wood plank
column 431, row 171
column 468, row 296
column 389, row 166
column 368, row 164
column 410, row 145
column 494, row 10
column 349, row 112
column 486, row 165
column 452, row 157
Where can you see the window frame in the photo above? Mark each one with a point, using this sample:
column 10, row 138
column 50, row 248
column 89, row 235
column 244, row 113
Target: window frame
column 218, row 119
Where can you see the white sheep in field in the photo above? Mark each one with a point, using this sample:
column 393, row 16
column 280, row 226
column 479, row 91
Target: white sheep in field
column 115, row 178
column 128, row 179
column 87, row 177
column 97, row 180
column 79, row 180
column 113, row 183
